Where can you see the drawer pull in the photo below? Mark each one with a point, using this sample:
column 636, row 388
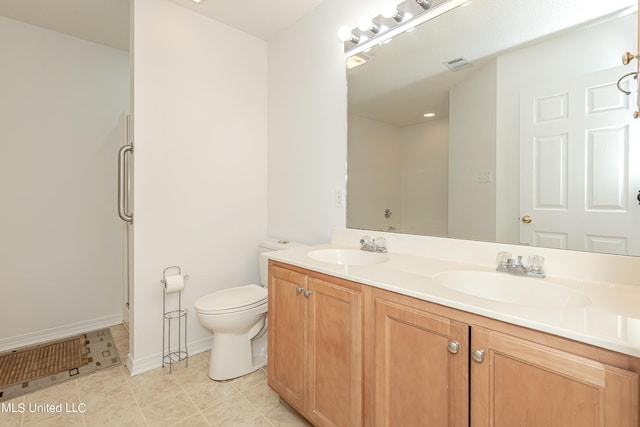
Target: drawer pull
column 477, row 355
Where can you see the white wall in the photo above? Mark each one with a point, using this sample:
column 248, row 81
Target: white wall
column 472, row 136
column 403, row 169
column 60, row 236
column 200, row 163
column 424, row 154
column 374, row 174
column 307, row 123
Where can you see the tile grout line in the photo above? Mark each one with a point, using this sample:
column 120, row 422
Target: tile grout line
column 260, row 413
column 255, row 386
column 192, row 401
column 134, row 398
column 124, row 372
column 84, row 421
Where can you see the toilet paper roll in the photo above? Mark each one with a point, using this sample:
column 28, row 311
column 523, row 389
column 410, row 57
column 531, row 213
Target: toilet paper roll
column 174, row 284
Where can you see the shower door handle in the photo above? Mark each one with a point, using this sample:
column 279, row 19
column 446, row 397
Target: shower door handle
column 123, row 193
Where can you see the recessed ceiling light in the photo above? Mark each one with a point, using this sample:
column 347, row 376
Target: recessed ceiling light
column 429, row 115
column 354, row 61
column 197, row 1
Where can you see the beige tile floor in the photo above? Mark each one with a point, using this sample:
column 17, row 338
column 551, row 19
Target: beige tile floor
column 185, row 397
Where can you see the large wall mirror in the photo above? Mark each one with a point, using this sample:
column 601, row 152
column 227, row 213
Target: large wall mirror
column 532, row 141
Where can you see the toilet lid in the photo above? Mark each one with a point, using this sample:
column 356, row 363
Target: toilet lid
column 232, row 299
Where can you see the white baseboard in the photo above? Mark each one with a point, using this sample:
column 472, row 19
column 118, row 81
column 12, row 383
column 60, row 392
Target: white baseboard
column 144, row 364
column 59, row 332
column 129, row 363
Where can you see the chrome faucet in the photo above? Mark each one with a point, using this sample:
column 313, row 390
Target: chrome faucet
column 379, row 244
column 516, row 266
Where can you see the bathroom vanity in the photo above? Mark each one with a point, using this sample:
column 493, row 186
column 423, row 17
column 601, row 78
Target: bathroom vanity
column 430, row 334
column 386, row 344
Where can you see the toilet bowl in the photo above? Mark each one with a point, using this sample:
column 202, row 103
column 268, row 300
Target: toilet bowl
column 238, row 318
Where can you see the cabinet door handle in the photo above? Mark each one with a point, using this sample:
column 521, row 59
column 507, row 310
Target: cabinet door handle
column 453, row 347
column 306, row 293
column 477, row 355
column 299, row 289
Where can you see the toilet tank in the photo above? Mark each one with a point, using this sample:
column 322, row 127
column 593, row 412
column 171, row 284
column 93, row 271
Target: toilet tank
column 270, row 245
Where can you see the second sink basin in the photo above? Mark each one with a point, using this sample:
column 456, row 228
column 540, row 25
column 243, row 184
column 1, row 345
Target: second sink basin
column 347, row 256
column 507, row 288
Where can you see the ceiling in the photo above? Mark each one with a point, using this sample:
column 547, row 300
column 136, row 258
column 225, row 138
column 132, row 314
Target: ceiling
column 100, row 21
column 263, row 19
column 107, row 21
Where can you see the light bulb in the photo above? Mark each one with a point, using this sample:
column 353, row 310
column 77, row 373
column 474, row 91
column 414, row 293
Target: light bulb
column 388, row 8
column 365, row 22
column 344, row 33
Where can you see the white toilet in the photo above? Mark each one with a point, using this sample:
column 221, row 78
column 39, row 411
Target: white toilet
column 238, row 318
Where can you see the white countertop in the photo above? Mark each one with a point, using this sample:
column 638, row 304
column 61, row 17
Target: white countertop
column 611, row 321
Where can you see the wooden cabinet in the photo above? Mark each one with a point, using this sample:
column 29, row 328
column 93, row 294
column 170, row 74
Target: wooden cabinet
column 287, row 355
column 421, row 368
column 345, row 354
column 496, row 378
column 316, row 346
column 516, row 382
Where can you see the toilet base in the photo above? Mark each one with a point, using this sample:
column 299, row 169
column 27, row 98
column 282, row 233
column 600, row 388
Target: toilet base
column 233, row 355
column 259, row 362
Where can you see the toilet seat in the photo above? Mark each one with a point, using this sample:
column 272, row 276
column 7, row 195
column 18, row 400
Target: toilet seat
column 231, row 300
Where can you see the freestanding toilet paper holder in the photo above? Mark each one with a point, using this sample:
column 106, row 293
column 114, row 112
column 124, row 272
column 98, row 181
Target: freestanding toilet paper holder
column 170, row 356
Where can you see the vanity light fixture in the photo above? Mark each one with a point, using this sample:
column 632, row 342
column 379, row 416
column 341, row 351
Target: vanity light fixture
column 394, row 19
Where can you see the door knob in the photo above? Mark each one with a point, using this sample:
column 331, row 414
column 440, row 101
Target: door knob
column 299, row 289
column 306, row 293
column 477, row 355
column 527, row 219
column 453, row 347
column 627, row 57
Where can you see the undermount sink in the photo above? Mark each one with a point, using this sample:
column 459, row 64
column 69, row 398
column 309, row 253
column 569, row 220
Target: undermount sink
column 347, row 256
column 507, row 288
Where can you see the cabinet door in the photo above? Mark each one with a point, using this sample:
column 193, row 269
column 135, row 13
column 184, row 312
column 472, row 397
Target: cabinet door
column 287, row 311
column 520, row 383
column 335, row 316
column 418, row 380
